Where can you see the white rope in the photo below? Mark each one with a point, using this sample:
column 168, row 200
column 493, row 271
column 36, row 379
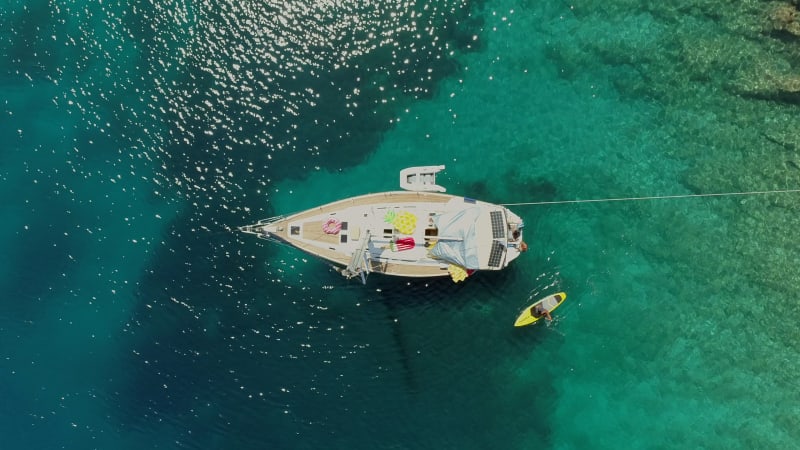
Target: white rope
column 655, row 197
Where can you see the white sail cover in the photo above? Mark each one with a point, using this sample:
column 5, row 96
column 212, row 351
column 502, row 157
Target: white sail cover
column 458, row 237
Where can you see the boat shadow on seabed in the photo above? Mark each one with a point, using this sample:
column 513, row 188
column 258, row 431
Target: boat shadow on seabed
column 398, row 294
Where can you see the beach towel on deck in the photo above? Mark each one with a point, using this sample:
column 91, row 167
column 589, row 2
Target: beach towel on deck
column 406, row 243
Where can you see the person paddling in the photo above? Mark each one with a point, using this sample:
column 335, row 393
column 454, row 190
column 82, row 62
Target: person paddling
column 540, row 311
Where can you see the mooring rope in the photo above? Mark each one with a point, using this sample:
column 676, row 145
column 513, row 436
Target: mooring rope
column 655, row 197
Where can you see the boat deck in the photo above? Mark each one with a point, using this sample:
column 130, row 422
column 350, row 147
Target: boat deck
column 359, row 214
column 393, row 248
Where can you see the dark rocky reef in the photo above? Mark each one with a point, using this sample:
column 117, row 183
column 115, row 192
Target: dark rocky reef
column 786, row 17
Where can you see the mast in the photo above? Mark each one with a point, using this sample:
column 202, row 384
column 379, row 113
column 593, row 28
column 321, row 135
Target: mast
column 359, row 263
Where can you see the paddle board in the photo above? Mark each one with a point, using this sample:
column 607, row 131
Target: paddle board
column 532, row 314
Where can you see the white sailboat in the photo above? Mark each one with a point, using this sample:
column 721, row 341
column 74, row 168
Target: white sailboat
column 414, row 233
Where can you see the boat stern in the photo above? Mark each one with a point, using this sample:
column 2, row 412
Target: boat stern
column 515, row 236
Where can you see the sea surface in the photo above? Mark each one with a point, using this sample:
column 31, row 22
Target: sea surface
column 136, row 136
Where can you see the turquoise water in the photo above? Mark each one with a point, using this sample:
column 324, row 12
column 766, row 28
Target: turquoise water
column 136, row 137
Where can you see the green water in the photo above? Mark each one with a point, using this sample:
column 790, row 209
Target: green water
column 139, row 136
column 680, row 326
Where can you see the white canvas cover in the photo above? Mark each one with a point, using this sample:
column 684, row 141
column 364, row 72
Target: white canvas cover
column 458, row 239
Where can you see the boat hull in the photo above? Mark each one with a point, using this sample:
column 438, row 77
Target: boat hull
column 398, row 232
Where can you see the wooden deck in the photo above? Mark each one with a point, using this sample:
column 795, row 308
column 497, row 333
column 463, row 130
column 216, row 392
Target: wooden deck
column 407, row 270
column 397, row 197
column 313, row 232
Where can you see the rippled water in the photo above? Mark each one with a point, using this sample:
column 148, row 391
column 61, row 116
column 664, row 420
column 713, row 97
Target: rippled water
column 138, row 136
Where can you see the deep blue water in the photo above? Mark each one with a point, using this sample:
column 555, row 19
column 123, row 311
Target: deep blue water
column 137, row 136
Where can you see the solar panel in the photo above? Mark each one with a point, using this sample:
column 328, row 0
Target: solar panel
column 498, row 230
column 496, row 256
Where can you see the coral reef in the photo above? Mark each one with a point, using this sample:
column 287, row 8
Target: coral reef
column 769, row 84
column 749, row 49
column 727, row 84
column 785, row 17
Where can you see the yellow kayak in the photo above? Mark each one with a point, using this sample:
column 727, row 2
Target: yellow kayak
column 534, row 312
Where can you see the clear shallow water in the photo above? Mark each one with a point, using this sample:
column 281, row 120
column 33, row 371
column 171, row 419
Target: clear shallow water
column 137, row 136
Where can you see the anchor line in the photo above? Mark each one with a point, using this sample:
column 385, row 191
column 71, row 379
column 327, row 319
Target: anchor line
column 654, row 197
